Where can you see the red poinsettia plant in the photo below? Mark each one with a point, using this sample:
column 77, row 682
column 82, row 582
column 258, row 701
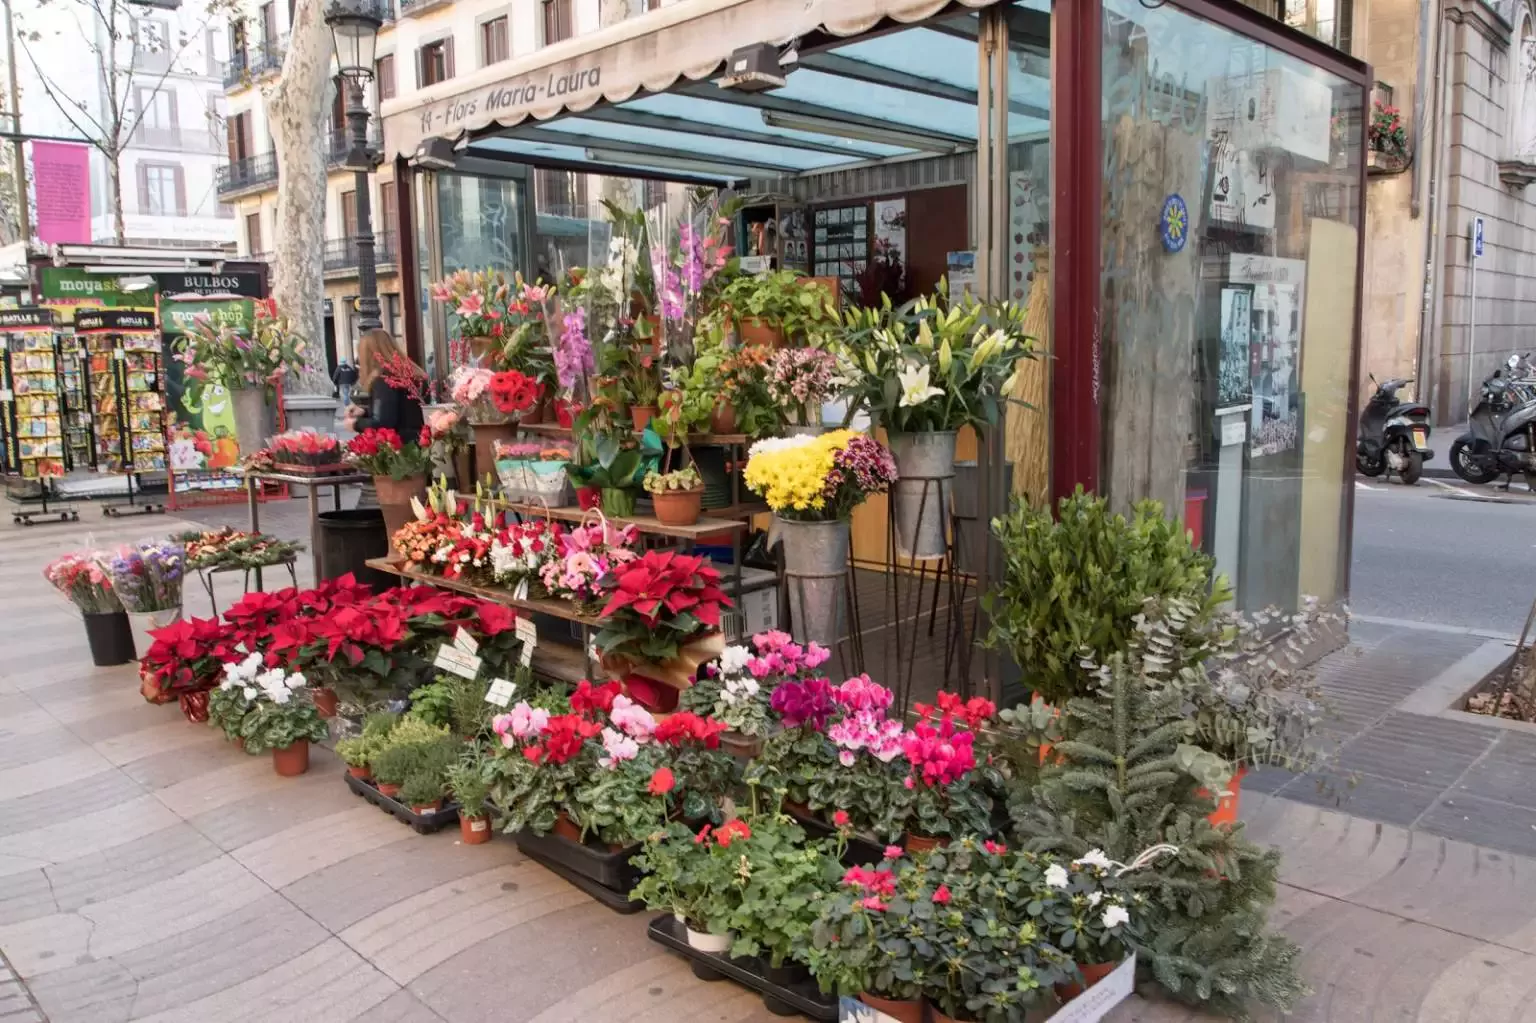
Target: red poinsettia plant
column 305, row 447
column 659, row 602
column 513, row 392
column 187, row 656
column 380, row 452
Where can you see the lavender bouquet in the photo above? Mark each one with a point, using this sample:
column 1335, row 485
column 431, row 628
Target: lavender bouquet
column 147, row 576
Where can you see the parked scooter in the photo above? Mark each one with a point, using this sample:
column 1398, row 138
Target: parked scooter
column 1502, row 430
column 1393, row 434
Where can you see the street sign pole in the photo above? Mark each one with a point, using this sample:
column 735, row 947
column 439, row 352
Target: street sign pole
column 1477, row 252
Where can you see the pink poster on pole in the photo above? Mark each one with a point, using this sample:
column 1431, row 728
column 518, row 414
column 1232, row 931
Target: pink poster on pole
column 61, row 175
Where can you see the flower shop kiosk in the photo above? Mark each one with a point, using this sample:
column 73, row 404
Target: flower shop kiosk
column 1173, row 193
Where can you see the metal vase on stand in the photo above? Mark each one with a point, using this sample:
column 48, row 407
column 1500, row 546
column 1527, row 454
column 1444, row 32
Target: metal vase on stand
column 815, row 571
column 920, row 498
column 255, row 418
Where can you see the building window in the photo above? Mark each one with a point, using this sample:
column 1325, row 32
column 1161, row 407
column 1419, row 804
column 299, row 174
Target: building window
column 560, row 193
column 349, row 214
column 384, row 74
column 253, row 234
column 653, row 5
column 157, row 117
column 386, row 218
column 493, row 41
column 268, row 28
column 557, row 21
column 150, row 36
column 434, row 62
column 161, row 191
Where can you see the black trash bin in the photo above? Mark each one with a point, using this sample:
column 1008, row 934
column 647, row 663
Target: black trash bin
column 345, row 540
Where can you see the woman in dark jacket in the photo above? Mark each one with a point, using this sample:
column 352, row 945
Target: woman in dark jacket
column 388, row 407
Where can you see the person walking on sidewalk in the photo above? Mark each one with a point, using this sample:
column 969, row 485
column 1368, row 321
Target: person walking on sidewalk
column 345, row 379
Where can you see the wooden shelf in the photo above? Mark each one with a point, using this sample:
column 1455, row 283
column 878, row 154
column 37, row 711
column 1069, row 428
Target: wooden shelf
column 647, row 524
column 701, row 439
column 554, row 608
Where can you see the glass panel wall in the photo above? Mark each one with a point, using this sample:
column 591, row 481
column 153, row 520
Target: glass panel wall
column 1230, row 243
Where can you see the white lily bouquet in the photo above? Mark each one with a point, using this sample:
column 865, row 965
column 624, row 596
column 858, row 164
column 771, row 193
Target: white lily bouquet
column 934, row 364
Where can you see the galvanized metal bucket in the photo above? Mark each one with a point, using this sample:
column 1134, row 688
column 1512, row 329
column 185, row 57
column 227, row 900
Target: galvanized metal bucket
column 815, row 571
column 920, row 498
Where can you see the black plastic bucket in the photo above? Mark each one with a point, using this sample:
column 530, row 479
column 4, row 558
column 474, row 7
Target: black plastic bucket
column 110, row 638
column 345, row 540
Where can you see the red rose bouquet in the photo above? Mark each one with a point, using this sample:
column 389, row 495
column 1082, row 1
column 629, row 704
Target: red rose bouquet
column 381, row 452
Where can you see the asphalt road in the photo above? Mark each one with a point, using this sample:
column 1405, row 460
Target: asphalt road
column 1427, row 554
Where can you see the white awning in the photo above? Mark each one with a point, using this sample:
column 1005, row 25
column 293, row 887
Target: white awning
column 645, row 54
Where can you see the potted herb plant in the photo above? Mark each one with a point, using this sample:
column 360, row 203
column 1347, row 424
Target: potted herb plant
column 812, row 485
column 929, row 369
column 392, row 765
column 678, row 496
column 87, row 585
column 399, row 470
column 471, row 787
column 422, row 790
column 282, row 719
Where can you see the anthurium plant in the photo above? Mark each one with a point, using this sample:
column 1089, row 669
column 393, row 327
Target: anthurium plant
column 934, row 363
column 658, row 603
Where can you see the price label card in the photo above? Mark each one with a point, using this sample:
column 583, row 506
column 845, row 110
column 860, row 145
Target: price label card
column 457, row 661
column 527, row 632
column 464, row 642
column 525, row 658
column 119, row 354
column 500, row 692
column 521, row 593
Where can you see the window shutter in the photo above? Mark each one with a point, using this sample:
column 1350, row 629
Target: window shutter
column 181, row 191
column 231, row 134
column 175, row 120
column 421, row 57
column 142, row 175
column 448, row 57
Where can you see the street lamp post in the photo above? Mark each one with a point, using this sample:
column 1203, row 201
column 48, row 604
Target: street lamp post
column 355, row 36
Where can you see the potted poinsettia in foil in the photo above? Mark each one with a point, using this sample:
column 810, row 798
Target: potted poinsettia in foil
column 662, row 617
column 923, row 372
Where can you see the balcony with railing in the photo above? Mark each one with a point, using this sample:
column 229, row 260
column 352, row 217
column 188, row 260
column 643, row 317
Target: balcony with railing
column 236, row 69
column 261, row 59
column 384, row 10
column 178, row 139
column 411, row 8
column 341, row 253
column 337, row 143
column 242, row 175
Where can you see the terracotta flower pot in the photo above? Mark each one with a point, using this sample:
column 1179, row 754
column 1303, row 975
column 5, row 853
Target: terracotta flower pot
column 1092, row 974
column 395, row 501
column 291, row 761
column 1225, row 814
column 325, row 701
column 359, row 772
column 194, row 706
column 679, row 507
column 642, row 415
column 388, row 790
column 905, row 1011
column 923, row 843
column 567, row 829
column 239, row 741
column 723, row 418
column 424, row 809
column 535, row 415
column 753, row 331
column 474, row 830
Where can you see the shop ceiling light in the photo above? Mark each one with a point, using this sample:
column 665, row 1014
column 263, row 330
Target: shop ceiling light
column 753, row 69
column 858, row 132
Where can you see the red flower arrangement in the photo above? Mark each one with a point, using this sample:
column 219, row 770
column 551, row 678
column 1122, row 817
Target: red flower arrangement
column 687, row 727
column 513, row 392
column 381, row 452
column 305, row 447
column 659, row 602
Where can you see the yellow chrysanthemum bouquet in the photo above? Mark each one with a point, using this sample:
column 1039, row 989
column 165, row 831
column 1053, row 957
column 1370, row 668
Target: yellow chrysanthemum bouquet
column 821, row 478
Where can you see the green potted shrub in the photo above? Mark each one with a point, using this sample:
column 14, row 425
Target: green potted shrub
column 471, row 787
column 359, row 750
column 393, row 765
column 422, row 791
column 678, row 495
column 779, row 306
column 789, row 880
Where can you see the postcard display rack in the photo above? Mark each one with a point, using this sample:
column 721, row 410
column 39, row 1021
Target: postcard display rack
column 33, row 410
column 125, row 386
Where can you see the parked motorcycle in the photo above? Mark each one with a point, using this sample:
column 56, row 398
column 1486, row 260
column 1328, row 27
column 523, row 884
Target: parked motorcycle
column 1501, row 438
column 1393, row 434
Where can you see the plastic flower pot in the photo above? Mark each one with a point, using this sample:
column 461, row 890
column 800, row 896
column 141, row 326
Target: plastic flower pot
column 743, row 747
column 902, row 1011
column 425, row 809
column 474, row 830
column 719, row 944
column 1092, row 974
column 1227, row 806
column 566, row 828
column 642, row 415
column 325, row 701
column 360, row 771
column 923, row 843
column 679, row 507
column 291, row 761
column 110, row 637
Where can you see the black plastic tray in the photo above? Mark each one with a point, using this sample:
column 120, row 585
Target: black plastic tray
column 606, row 876
column 799, row 999
column 423, row 823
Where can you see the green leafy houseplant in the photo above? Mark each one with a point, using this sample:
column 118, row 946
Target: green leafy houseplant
column 470, row 784
column 781, row 300
column 394, row 764
column 673, row 482
column 1073, row 584
column 619, row 466
column 275, row 722
column 787, row 880
column 934, row 364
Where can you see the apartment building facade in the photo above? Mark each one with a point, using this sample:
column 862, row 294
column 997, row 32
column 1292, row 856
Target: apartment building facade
column 422, row 42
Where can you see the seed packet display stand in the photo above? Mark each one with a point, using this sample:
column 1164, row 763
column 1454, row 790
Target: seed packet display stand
column 34, row 419
column 125, row 386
